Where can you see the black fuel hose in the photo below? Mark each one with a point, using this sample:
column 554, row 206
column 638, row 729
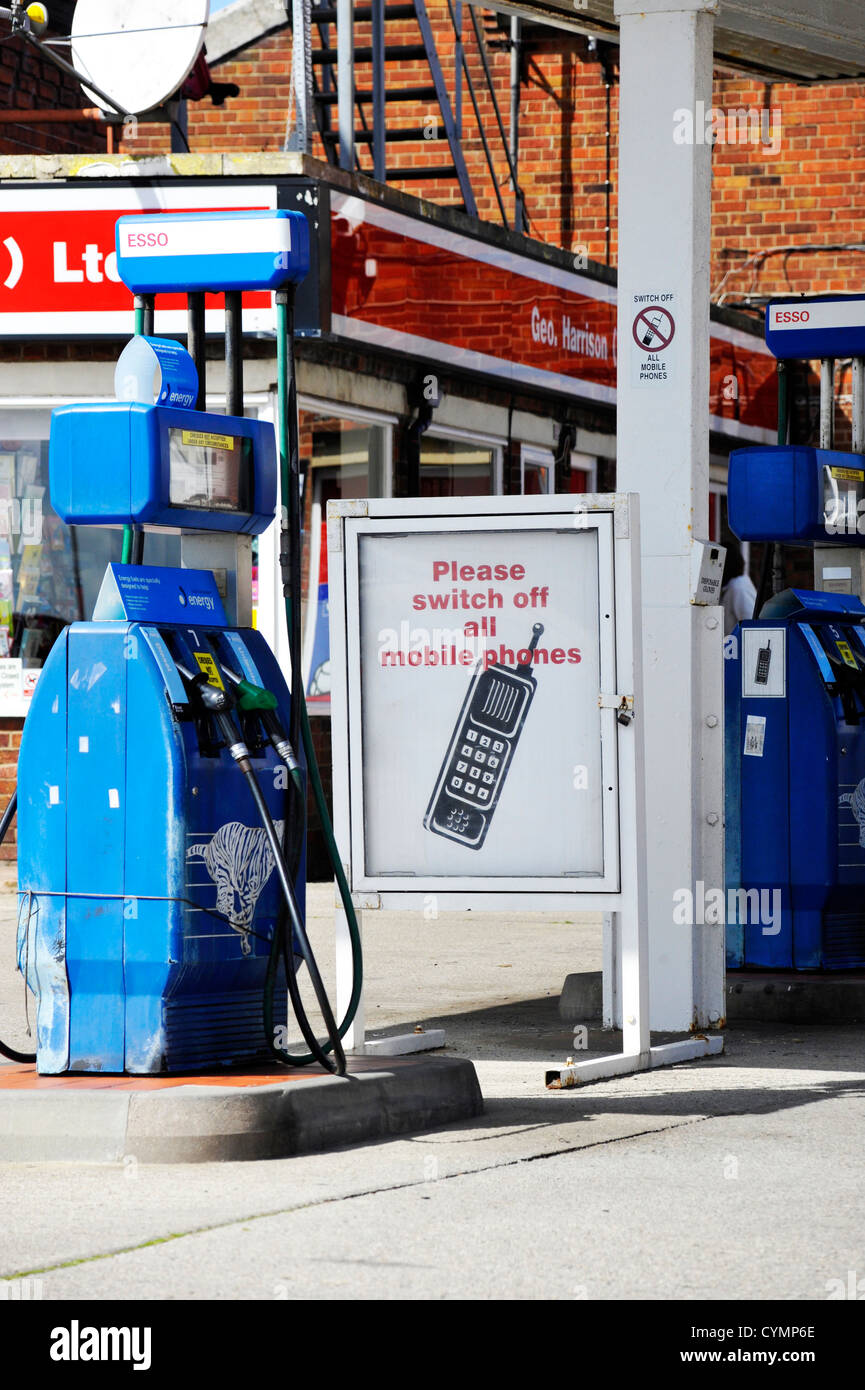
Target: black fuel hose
column 218, row 703
column 335, row 1063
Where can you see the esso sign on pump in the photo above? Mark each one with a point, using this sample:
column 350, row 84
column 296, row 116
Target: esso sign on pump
column 192, row 251
column 825, row 326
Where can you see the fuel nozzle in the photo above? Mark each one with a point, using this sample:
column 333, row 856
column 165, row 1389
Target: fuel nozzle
column 254, row 699
column 219, row 702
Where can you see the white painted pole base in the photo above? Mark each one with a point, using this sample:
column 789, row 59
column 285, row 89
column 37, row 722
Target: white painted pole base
column 425, row 1041
column 623, row 1063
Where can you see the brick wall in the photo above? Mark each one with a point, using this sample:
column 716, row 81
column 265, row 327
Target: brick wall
column 803, row 185
column 800, row 186
column 10, row 742
column 256, row 120
column 27, row 80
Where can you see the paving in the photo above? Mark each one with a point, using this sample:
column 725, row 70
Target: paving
column 735, row 1177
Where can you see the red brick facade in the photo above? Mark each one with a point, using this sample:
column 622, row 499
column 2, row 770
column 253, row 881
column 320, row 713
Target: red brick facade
column 794, row 182
column 32, row 82
column 799, row 186
column 10, row 742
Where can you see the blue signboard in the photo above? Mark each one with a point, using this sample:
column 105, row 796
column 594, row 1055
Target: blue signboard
column 145, row 594
column 189, row 251
column 829, row 325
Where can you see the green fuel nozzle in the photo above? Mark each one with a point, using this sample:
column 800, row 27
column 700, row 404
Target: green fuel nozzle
column 252, row 697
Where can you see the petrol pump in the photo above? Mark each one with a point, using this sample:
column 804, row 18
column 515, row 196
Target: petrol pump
column 795, row 678
column 162, row 773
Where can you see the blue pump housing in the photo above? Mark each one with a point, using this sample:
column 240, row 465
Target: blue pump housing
column 147, row 890
column 797, row 496
column 118, row 464
column 795, row 785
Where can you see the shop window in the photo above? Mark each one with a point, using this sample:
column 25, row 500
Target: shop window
column 536, row 469
column 50, row 573
column 719, row 529
column 457, row 467
column 340, row 458
column 583, row 475
column 538, row 472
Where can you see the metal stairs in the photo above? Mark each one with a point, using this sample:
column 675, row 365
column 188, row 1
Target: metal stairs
column 369, row 125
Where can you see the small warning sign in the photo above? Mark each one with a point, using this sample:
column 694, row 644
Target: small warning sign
column 210, row 669
column 202, row 439
column 653, row 331
column 847, row 655
column 755, row 736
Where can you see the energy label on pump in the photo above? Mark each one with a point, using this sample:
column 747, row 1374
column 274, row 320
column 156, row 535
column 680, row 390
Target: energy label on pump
column 653, row 330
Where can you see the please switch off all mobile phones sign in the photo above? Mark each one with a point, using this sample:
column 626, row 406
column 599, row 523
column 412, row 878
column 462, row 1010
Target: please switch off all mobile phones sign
column 480, row 671
column 653, row 331
column 478, row 589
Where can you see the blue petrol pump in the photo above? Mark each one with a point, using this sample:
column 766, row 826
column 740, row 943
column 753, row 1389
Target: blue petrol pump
column 161, row 788
column 795, row 679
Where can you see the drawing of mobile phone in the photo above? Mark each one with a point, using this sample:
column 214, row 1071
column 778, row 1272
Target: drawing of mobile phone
column 652, row 329
column 764, row 656
column 481, row 750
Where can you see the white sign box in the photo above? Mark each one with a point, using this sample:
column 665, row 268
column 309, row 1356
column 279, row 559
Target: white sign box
column 483, row 662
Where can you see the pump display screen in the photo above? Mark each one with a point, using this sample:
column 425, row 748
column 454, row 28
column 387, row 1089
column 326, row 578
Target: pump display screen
column 843, row 506
column 210, row 471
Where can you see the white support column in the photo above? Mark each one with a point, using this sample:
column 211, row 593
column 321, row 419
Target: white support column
column 663, row 453
column 611, row 1003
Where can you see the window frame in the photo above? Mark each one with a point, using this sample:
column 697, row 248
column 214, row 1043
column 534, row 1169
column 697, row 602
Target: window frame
column 269, row 609
column 535, row 453
column 489, row 441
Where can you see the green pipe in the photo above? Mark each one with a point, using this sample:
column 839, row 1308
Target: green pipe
column 126, row 552
column 290, row 519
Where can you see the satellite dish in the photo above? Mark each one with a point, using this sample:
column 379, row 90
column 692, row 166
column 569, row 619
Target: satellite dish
column 139, row 52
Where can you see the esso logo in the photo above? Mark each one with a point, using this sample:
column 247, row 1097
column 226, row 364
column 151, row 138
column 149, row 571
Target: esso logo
column 792, row 315
column 147, row 239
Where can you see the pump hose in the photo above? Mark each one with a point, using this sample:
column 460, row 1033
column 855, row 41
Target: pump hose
column 5, row 822
column 337, row 1063
column 289, row 562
